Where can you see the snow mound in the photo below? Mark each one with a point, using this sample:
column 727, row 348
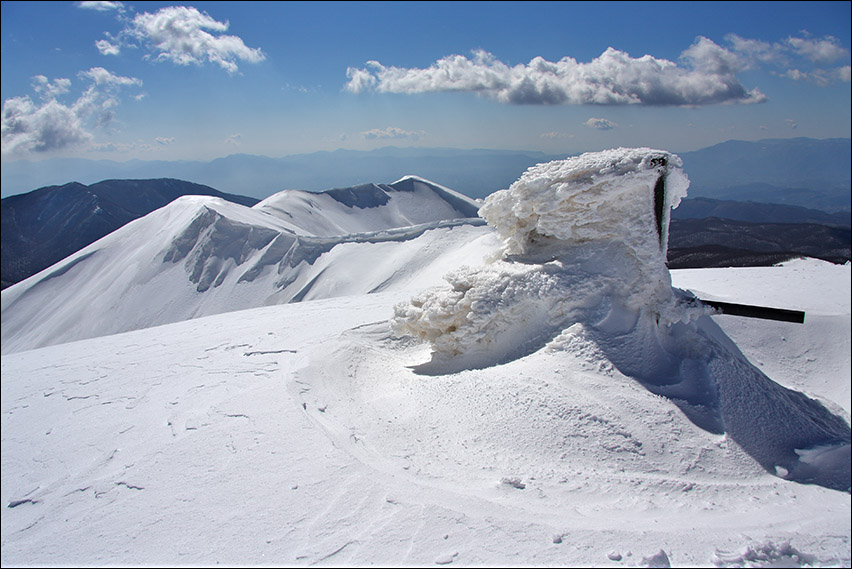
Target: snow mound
column 583, row 272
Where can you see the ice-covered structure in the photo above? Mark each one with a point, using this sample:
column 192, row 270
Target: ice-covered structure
column 585, row 238
column 582, row 272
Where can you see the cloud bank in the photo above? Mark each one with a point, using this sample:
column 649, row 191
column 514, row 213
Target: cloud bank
column 705, row 74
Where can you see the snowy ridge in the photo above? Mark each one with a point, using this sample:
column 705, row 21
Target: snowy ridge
column 200, row 256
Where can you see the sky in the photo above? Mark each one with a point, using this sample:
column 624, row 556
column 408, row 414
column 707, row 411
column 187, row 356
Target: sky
column 156, row 80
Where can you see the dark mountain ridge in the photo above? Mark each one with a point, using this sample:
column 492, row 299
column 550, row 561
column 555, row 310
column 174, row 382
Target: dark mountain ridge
column 715, row 242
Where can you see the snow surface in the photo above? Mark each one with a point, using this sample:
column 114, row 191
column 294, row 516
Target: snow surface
column 301, row 434
column 619, row 429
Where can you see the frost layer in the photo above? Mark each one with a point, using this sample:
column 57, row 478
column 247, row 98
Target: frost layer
column 585, row 240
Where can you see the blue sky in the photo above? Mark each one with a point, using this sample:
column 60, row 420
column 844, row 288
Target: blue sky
column 156, row 80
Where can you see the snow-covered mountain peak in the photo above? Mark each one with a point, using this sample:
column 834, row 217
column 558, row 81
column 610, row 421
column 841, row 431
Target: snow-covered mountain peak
column 368, row 207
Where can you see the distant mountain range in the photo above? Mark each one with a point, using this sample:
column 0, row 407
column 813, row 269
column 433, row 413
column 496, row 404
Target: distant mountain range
column 44, row 226
column 475, row 173
column 755, row 212
column 799, row 171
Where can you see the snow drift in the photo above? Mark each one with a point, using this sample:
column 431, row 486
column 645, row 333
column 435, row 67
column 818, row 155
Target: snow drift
column 583, row 270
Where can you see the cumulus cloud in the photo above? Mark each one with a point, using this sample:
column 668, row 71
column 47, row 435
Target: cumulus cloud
column 29, row 126
column 164, row 141
column 391, row 132
column 600, row 124
column 705, row 76
column 107, row 48
column 822, row 77
column 184, row 36
column 50, row 90
column 706, row 73
column 234, row 139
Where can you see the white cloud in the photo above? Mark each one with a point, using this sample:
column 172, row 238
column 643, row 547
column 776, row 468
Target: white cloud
column 792, row 124
column 613, row 78
column 600, row 124
column 29, row 127
column 391, row 132
column 822, row 77
column 804, row 51
column 52, row 125
column 757, row 51
column 102, row 6
column 234, row 140
column 48, row 90
column 826, row 50
column 164, row 141
column 103, row 77
column 179, row 34
column 705, row 74
column 107, row 48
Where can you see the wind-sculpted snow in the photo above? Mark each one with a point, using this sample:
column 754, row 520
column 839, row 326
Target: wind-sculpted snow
column 210, row 241
column 583, row 267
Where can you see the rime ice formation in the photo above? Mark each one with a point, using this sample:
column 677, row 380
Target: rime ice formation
column 582, row 273
column 584, row 237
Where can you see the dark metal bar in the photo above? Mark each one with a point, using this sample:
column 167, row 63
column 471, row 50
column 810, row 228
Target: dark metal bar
column 751, row 311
